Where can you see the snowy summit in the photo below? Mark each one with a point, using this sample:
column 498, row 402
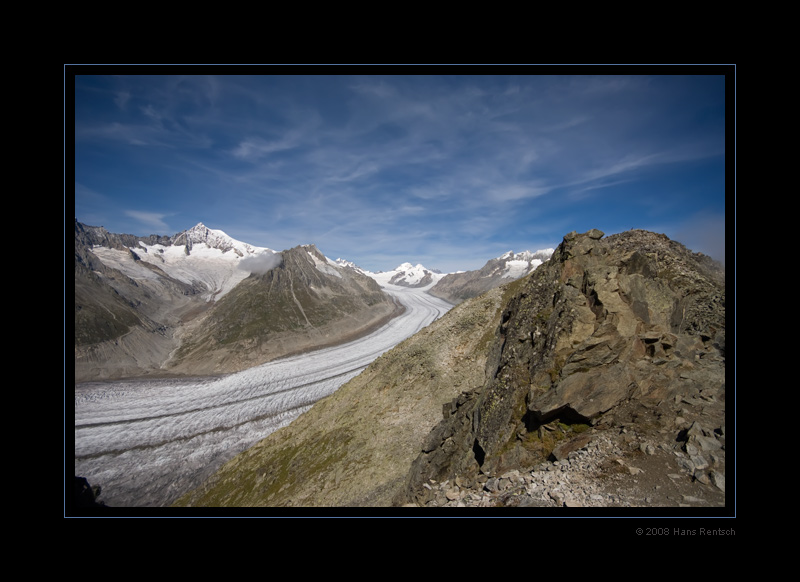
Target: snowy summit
column 199, row 255
column 516, row 265
column 408, row 275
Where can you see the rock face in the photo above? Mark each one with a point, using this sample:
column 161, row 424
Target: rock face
column 84, row 495
column 457, row 287
column 141, row 309
column 607, row 363
column 604, row 328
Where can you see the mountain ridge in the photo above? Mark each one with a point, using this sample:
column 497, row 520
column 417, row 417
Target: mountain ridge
column 144, row 305
column 457, row 287
column 408, row 275
column 612, row 344
column 303, row 303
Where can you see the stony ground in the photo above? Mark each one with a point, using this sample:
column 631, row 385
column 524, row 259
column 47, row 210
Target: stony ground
column 610, row 471
column 670, row 455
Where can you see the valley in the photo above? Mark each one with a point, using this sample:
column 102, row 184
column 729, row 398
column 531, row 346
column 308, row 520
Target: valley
column 314, row 383
column 148, row 441
column 596, row 381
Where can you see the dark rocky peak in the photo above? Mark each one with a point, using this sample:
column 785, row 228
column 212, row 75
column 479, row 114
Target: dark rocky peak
column 303, row 256
column 84, row 495
column 313, row 250
column 606, row 322
column 200, row 233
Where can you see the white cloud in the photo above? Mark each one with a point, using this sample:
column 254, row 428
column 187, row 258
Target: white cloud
column 152, row 220
column 88, row 196
column 151, row 112
column 255, row 148
column 262, row 263
column 510, row 192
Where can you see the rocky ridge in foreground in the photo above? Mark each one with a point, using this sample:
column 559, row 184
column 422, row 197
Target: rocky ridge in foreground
column 610, row 335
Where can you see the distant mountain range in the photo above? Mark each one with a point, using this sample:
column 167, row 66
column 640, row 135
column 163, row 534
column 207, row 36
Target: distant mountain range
column 201, row 302
column 457, row 287
column 408, row 275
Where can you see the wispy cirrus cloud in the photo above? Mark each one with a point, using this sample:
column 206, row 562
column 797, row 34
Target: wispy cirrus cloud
column 152, row 220
column 121, row 99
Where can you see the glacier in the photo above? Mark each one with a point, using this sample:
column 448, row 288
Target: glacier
column 146, row 442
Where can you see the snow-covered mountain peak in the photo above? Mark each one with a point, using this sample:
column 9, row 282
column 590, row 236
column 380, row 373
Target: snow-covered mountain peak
column 343, row 263
column 199, row 227
column 515, row 265
column 197, row 256
column 540, row 255
column 408, row 275
column 456, row 287
column 349, row 265
column 200, row 234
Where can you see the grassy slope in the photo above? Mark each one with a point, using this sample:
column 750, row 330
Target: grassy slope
column 355, row 447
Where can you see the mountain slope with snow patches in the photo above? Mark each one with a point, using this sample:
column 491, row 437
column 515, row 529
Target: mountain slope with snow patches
column 456, row 287
column 200, row 257
column 201, row 302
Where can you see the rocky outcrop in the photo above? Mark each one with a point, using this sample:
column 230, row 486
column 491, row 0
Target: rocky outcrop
column 605, row 367
column 84, row 495
column 603, row 469
column 632, row 318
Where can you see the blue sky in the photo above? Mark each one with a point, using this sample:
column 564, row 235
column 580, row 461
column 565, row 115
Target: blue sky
column 447, row 171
